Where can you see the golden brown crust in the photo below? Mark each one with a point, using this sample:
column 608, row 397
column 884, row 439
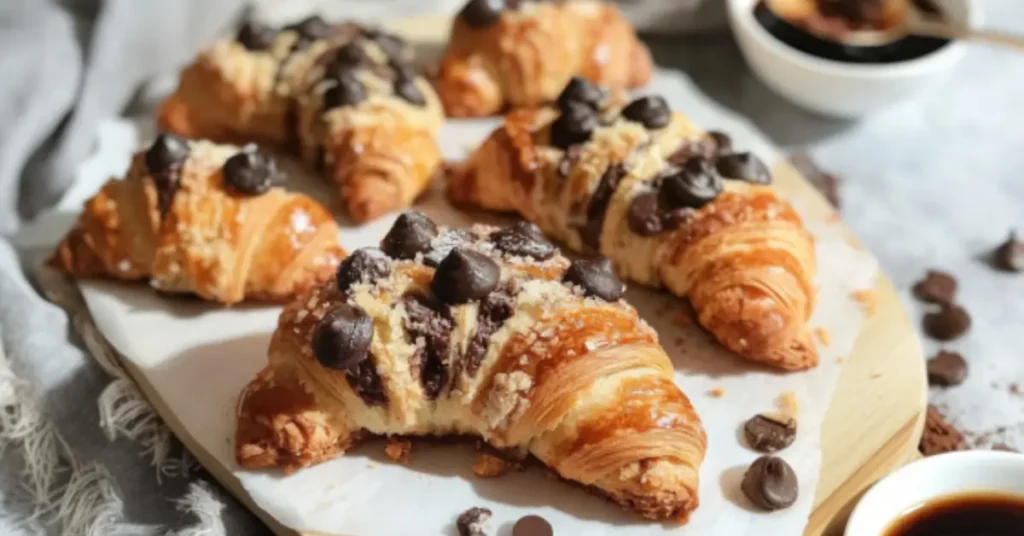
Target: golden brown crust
column 580, row 383
column 744, row 260
column 220, row 245
column 275, row 96
column 529, row 54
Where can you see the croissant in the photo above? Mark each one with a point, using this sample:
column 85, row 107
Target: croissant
column 644, row 187
column 345, row 97
column 192, row 216
column 511, row 54
column 488, row 332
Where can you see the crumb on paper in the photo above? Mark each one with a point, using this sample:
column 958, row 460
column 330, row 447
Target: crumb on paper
column 939, row 435
column 679, row 341
column 787, row 404
column 399, row 450
column 834, row 218
column 868, row 300
column 840, row 360
column 823, row 336
column 876, row 375
column 489, row 466
column 682, row 318
column 716, row 392
column 663, row 308
column 1015, row 389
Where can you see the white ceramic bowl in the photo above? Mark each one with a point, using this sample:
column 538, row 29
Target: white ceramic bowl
column 931, row 478
column 836, row 88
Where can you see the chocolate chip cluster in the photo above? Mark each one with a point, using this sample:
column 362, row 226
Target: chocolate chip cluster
column 462, row 274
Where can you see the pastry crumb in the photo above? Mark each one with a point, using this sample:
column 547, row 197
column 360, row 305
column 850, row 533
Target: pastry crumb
column 823, row 336
column 682, row 318
column 679, row 341
column 868, row 300
column 876, row 375
column 716, row 392
column 787, row 404
column 489, row 466
column 399, row 450
column 840, row 360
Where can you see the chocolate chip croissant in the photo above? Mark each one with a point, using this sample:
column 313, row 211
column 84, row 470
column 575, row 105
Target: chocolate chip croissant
column 511, row 53
column 344, row 96
column 670, row 205
column 196, row 217
column 488, row 332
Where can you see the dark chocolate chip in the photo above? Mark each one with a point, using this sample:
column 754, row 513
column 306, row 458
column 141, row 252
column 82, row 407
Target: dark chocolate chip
column 651, row 111
column 464, row 276
column 767, row 434
column 394, row 47
column 311, row 28
column 348, row 91
column 250, row 173
column 494, row 310
column 722, row 141
column 644, row 214
column 256, row 36
column 428, row 326
column 948, row 323
column 693, row 185
column 366, row 382
column 936, row 287
column 471, row 522
column 581, row 90
column 947, row 369
column 743, row 166
column 770, row 483
column 405, row 87
column 168, row 151
column 673, row 218
column 365, row 265
column 342, row 339
column 411, row 234
column 482, row 13
column 568, row 161
column 597, row 277
column 575, row 125
column 1010, row 255
column 532, row 526
column 591, row 232
column 523, row 239
column 349, row 56
column 441, row 246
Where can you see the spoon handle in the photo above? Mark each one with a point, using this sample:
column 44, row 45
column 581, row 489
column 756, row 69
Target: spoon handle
column 951, row 31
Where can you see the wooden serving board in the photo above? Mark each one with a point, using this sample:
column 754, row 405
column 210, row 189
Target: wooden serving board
column 877, row 411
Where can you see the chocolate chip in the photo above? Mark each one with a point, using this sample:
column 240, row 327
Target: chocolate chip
column 948, row 323
column 532, row 526
column 349, row 56
column 743, row 166
column 693, row 185
column 250, row 173
column 591, row 232
column 405, row 87
column 311, row 28
column 939, row 436
column 348, row 91
column 494, row 310
column 394, row 47
column 523, row 239
column 464, row 276
column 441, row 246
column 168, row 151
column 581, row 90
column 936, row 287
column 366, row 382
column 568, row 161
column 644, row 214
column 770, row 483
column 947, row 369
column 826, row 183
column 255, row 36
column 428, row 326
column 471, row 522
column 342, row 339
column 411, row 234
column 575, row 125
column 722, row 142
column 766, row 434
column 365, row 265
column 597, row 277
column 651, row 111
column 1010, row 255
column 482, row 13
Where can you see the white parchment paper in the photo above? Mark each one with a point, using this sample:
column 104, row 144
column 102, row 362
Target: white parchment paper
column 198, row 357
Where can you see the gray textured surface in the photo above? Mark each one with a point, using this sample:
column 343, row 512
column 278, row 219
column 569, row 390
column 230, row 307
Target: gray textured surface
column 936, row 182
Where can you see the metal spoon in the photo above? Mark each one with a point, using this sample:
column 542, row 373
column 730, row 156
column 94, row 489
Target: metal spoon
column 901, row 18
